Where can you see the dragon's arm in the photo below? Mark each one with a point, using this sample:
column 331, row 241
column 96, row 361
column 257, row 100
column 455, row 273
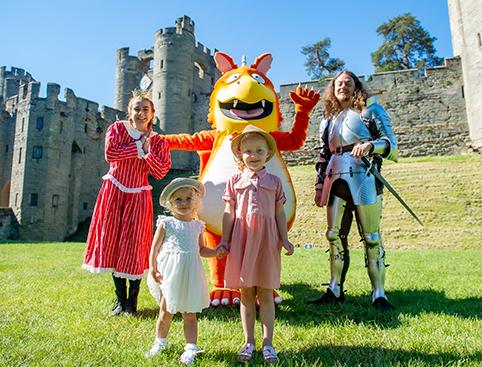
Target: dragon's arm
column 199, row 141
column 304, row 100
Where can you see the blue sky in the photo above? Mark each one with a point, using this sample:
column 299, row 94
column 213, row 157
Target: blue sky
column 74, row 43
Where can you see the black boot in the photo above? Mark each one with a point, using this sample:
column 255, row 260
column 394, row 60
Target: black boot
column 328, row 297
column 134, row 287
column 121, row 293
column 382, row 304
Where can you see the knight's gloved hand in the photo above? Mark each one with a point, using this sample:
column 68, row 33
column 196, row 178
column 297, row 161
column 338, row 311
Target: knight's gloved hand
column 317, row 198
column 304, row 99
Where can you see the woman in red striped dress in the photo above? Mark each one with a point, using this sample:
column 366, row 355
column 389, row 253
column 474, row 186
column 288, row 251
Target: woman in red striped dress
column 120, row 232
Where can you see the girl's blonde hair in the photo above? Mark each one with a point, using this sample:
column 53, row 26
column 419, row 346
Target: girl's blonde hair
column 238, row 156
column 196, row 194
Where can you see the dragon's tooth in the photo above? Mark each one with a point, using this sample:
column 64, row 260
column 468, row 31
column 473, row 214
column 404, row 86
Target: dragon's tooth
column 235, row 102
column 263, row 103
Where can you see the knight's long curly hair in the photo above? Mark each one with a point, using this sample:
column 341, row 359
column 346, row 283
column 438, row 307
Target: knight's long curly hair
column 330, row 102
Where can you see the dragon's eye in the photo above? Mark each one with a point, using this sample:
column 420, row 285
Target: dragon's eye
column 232, row 78
column 258, row 78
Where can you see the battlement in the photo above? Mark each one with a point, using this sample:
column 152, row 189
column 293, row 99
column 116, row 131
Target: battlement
column 203, row 49
column 14, row 72
column 379, row 82
column 185, row 23
column 146, row 54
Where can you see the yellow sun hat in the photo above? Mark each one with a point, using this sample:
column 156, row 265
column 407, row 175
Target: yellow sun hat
column 236, row 143
column 179, row 183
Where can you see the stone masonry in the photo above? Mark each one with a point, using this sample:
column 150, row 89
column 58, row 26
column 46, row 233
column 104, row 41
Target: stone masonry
column 180, row 74
column 466, row 29
column 427, row 108
column 53, row 161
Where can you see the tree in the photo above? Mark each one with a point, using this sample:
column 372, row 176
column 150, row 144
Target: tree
column 405, row 45
column 319, row 64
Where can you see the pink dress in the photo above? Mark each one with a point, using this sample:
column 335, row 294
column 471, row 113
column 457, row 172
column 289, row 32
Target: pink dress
column 254, row 258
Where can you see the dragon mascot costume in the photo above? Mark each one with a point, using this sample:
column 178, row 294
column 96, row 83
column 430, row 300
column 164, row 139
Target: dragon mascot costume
column 242, row 96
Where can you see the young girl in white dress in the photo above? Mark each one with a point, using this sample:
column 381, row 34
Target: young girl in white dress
column 175, row 264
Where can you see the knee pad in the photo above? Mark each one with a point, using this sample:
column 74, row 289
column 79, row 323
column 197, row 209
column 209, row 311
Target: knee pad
column 332, row 235
column 372, row 239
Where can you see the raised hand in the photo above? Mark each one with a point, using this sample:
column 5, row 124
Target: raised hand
column 304, row 99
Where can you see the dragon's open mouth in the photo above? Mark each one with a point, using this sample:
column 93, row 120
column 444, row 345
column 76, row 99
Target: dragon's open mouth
column 238, row 110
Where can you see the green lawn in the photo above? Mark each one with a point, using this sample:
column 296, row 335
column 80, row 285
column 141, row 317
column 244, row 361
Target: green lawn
column 53, row 313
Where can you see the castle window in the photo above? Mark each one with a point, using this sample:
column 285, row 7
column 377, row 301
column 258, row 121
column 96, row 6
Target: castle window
column 61, row 128
column 23, row 123
column 159, row 95
column 480, row 39
column 16, row 199
column 33, row 199
column 6, row 148
column 162, row 64
column 40, row 123
column 20, row 156
column 194, row 97
column 85, row 128
column 85, row 205
column 37, row 152
column 212, row 81
column 55, row 201
column 200, row 70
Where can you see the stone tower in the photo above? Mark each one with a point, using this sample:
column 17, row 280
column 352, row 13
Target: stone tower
column 10, row 82
column 466, row 27
column 52, row 169
column 180, row 74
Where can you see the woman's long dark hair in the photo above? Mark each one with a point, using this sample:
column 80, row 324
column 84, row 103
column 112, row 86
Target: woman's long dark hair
column 330, row 102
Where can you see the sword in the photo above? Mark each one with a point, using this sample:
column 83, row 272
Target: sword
column 389, row 187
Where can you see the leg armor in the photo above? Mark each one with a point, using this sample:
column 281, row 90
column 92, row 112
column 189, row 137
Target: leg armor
column 368, row 220
column 339, row 219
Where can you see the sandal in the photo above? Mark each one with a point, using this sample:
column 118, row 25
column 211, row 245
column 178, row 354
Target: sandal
column 269, row 354
column 246, row 353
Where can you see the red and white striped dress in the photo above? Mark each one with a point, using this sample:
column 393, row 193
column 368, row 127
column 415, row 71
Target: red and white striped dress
column 120, row 233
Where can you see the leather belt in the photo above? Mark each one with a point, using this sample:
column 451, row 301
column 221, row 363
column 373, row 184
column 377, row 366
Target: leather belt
column 341, row 150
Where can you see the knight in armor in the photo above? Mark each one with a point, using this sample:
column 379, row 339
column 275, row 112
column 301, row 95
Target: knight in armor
column 349, row 131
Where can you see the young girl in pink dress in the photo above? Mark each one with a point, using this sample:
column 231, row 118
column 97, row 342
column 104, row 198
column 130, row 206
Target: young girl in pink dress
column 121, row 228
column 254, row 229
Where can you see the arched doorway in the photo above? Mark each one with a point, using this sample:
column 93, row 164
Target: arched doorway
column 5, row 195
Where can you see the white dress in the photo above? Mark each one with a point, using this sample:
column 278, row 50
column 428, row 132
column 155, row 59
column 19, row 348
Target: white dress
column 183, row 284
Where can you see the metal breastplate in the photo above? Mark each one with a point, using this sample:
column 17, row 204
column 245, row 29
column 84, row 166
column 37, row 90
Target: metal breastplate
column 348, row 129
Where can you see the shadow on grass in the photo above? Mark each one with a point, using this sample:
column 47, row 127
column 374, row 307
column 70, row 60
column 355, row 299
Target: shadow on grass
column 296, row 310
column 334, row 355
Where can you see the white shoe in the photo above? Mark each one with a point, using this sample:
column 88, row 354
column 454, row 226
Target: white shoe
column 189, row 354
column 156, row 348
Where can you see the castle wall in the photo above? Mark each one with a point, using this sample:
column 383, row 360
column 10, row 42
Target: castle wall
column 427, row 109
column 8, row 224
column 58, row 160
column 466, row 29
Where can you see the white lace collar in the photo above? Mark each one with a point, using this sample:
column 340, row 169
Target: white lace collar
column 133, row 132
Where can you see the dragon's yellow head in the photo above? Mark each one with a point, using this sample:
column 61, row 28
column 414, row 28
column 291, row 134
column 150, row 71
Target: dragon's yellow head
column 243, row 96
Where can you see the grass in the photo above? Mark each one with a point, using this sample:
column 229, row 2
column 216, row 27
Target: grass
column 52, row 313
